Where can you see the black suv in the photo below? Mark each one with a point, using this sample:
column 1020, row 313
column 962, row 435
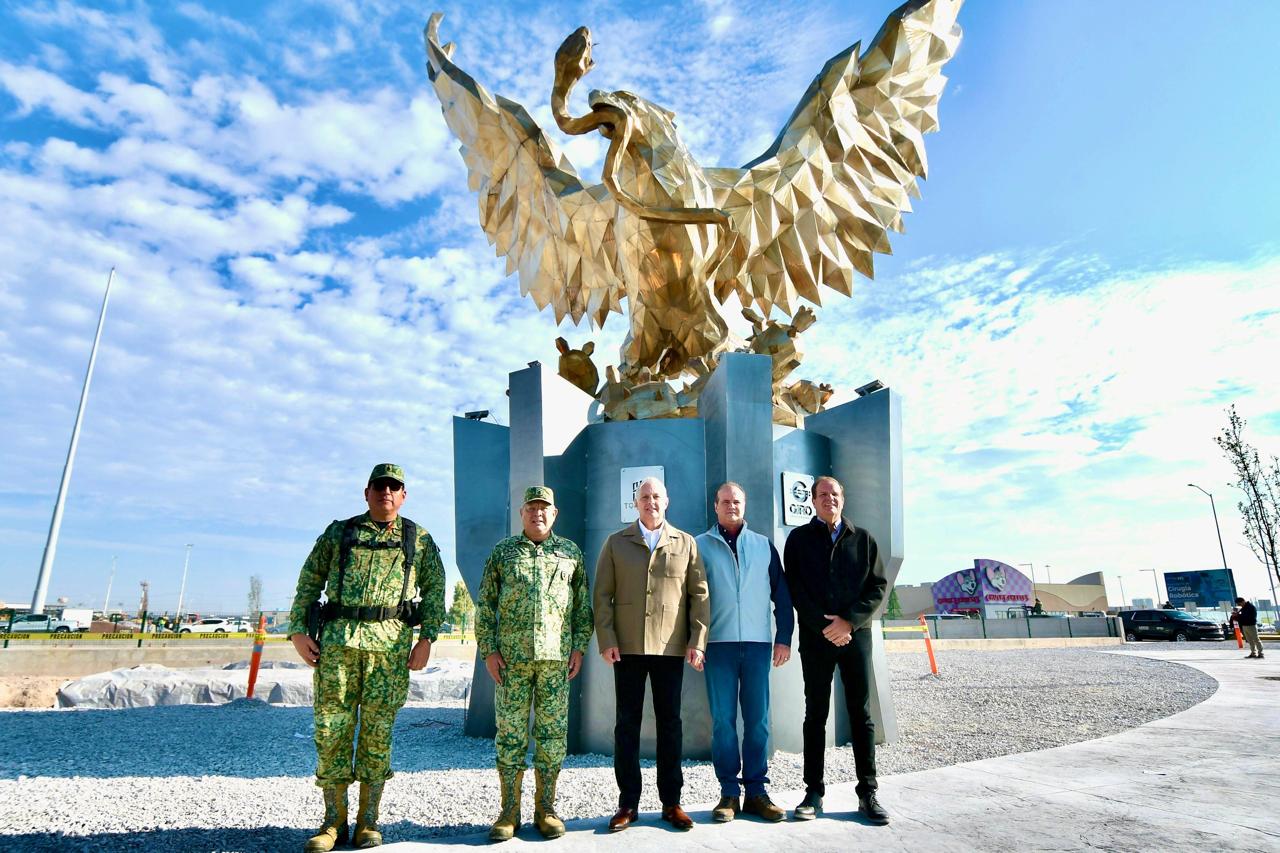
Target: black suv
column 1176, row 625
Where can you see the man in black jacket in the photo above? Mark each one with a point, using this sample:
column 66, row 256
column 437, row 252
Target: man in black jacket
column 837, row 584
column 1247, row 619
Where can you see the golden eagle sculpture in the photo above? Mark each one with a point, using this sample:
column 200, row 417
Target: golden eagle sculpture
column 674, row 239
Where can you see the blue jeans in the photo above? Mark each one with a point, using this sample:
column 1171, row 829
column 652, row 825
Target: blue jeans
column 739, row 672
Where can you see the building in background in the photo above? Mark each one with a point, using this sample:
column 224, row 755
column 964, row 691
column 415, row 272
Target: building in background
column 1085, row 594
column 915, row 600
column 996, row 590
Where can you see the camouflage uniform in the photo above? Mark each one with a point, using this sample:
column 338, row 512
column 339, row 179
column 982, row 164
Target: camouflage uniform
column 364, row 665
column 534, row 608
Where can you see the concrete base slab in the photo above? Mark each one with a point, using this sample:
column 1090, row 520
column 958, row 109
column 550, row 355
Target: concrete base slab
column 1202, row 779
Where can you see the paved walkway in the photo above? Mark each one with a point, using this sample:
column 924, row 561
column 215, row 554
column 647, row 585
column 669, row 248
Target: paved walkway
column 1206, row 779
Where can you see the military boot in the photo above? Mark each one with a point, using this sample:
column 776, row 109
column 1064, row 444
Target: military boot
column 544, row 811
column 366, row 833
column 509, row 820
column 334, row 829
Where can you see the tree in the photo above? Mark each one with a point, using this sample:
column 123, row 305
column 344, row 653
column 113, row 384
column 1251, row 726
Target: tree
column 1260, row 484
column 461, row 608
column 893, row 610
column 255, row 595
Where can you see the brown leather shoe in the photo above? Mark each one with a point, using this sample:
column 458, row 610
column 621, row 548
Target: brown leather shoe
column 622, row 818
column 675, row 816
column 763, row 807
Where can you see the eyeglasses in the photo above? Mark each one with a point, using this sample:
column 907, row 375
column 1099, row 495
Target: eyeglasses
column 389, row 485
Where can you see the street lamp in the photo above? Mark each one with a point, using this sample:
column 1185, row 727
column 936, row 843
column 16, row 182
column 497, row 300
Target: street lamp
column 1048, row 574
column 1156, row 580
column 1123, row 597
column 1031, row 566
column 1213, row 507
column 183, row 589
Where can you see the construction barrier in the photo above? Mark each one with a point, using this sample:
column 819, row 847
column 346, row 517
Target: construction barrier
column 928, row 645
column 259, row 640
column 922, row 628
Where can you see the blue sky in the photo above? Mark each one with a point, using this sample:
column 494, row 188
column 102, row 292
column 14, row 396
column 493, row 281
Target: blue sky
column 1090, row 278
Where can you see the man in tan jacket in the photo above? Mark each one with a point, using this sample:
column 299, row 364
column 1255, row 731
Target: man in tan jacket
column 651, row 610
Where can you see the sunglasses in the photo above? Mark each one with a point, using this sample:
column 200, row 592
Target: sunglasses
column 389, row 485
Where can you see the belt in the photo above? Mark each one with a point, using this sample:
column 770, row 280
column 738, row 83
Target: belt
column 366, row 614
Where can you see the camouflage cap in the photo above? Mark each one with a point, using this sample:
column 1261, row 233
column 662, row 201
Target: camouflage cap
column 540, row 493
column 387, row 470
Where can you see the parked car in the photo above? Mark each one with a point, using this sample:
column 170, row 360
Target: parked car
column 210, row 626
column 1174, row 625
column 31, row 622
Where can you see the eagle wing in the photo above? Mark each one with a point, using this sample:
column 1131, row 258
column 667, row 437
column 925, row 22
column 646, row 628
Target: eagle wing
column 557, row 233
column 821, row 200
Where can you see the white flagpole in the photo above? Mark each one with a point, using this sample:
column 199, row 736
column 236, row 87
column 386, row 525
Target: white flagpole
column 51, row 544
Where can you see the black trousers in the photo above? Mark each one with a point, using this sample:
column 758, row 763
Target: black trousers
column 818, row 661
column 665, row 674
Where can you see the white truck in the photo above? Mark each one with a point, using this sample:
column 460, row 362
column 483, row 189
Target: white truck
column 25, row 623
column 81, row 617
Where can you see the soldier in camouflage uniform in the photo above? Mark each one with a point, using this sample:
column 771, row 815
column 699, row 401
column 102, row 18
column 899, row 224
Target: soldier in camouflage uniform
column 533, row 623
column 364, row 654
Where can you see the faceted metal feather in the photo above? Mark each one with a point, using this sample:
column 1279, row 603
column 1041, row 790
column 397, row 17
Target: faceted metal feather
column 665, row 233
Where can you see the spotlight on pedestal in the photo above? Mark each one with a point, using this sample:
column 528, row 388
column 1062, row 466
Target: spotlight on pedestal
column 478, row 415
column 870, row 388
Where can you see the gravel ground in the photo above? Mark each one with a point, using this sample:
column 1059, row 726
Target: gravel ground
column 238, row 776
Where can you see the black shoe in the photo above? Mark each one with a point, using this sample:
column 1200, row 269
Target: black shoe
column 1250, row 657
column 809, row 808
column 871, row 809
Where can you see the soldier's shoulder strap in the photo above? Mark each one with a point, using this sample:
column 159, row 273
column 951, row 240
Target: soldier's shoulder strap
column 344, row 549
column 409, row 542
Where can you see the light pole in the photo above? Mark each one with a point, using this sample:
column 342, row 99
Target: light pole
column 1123, row 597
column 1213, row 507
column 1155, row 580
column 106, row 601
column 1048, row 574
column 1032, row 566
column 51, row 544
column 183, row 589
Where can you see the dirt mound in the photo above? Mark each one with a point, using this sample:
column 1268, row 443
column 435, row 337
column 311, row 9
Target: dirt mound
column 29, row 691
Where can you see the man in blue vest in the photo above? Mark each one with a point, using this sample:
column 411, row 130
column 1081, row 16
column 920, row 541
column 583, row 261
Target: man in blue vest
column 744, row 575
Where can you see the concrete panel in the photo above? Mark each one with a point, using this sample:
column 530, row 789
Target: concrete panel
column 481, row 454
column 733, row 439
column 866, row 456
column 480, row 461
column 524, row 390
column 736, row 407
column 960, row 629
column 806, row 453
column 566, row 475
column 676, row 445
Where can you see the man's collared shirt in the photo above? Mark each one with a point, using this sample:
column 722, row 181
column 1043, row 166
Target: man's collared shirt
column 835, row 532
column 730, row 538
column 651, row 537
column 533, row 603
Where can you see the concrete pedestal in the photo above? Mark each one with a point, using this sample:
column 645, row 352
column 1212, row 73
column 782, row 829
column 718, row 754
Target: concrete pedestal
column 733, row 439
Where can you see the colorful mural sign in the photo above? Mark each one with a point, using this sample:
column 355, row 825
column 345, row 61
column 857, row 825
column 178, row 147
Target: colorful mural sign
column 990, row 587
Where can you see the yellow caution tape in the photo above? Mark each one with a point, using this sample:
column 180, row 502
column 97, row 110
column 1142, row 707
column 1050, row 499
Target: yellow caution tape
column 916, row 628
column 43, row 637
